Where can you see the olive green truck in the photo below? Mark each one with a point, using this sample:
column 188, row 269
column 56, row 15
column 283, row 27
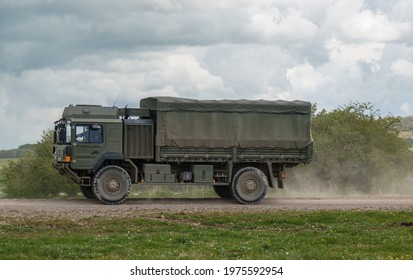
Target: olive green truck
column 239, row 147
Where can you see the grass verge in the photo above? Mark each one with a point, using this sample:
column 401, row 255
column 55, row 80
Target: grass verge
column 212, row 235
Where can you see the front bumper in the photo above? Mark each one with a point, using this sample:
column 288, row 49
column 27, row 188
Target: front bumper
column 64, row 169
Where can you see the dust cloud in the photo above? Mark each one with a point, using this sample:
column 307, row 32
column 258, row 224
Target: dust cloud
column 303, row 182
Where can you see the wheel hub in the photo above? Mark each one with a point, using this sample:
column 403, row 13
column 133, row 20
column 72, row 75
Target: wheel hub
column 112, row 185
column 250, row 186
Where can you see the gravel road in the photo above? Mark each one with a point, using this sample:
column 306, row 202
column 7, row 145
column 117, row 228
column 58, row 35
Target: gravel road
column 86, row 208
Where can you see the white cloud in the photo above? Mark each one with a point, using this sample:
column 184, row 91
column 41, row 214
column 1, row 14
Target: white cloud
column 273, row 93
column 375, row 27
column 402, row 10
column 347, row 57
column 402, row 67
column 270, row 24
column 185, row 73
column 355, row 22
column 305, row 78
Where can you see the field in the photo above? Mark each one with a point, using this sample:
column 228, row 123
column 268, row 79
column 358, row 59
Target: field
column 3, row 161
column 212, row 235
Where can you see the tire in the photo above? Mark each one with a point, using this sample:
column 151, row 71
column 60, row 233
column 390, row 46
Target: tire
column 111, row 185
column 87, row 192
column 249, row 185
column 223, row 191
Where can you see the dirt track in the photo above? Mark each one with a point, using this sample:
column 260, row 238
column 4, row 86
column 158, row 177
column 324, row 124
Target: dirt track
column 86, row 208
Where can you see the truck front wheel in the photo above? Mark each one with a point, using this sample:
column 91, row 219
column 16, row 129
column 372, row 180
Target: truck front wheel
column 87, row 192
column 249, row 185
column 223, row 191
column 111, row 184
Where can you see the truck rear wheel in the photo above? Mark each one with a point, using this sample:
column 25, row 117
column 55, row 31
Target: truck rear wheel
column 111, row 185
column 249, row 185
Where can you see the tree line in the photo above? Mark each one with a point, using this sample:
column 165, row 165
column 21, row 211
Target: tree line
column 16, row 153
column 355, row 149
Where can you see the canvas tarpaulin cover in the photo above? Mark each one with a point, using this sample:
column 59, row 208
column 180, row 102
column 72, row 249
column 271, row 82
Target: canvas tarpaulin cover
column 182, row 122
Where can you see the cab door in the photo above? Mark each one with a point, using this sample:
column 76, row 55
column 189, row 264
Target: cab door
column 88, row 144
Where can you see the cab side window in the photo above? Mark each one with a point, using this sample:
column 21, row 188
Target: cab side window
column 89, row 133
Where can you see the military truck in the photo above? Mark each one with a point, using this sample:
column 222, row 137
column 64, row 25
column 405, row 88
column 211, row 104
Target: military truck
column 238, row 147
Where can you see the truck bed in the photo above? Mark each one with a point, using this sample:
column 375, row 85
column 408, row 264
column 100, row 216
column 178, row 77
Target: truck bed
column 236, row 130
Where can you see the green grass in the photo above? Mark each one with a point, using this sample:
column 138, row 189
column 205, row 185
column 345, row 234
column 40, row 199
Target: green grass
column 212, row 235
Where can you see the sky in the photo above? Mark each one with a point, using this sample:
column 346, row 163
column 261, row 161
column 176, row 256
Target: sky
column 329, row 52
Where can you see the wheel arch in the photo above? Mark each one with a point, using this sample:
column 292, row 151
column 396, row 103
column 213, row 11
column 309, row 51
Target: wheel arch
column 107, row 159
